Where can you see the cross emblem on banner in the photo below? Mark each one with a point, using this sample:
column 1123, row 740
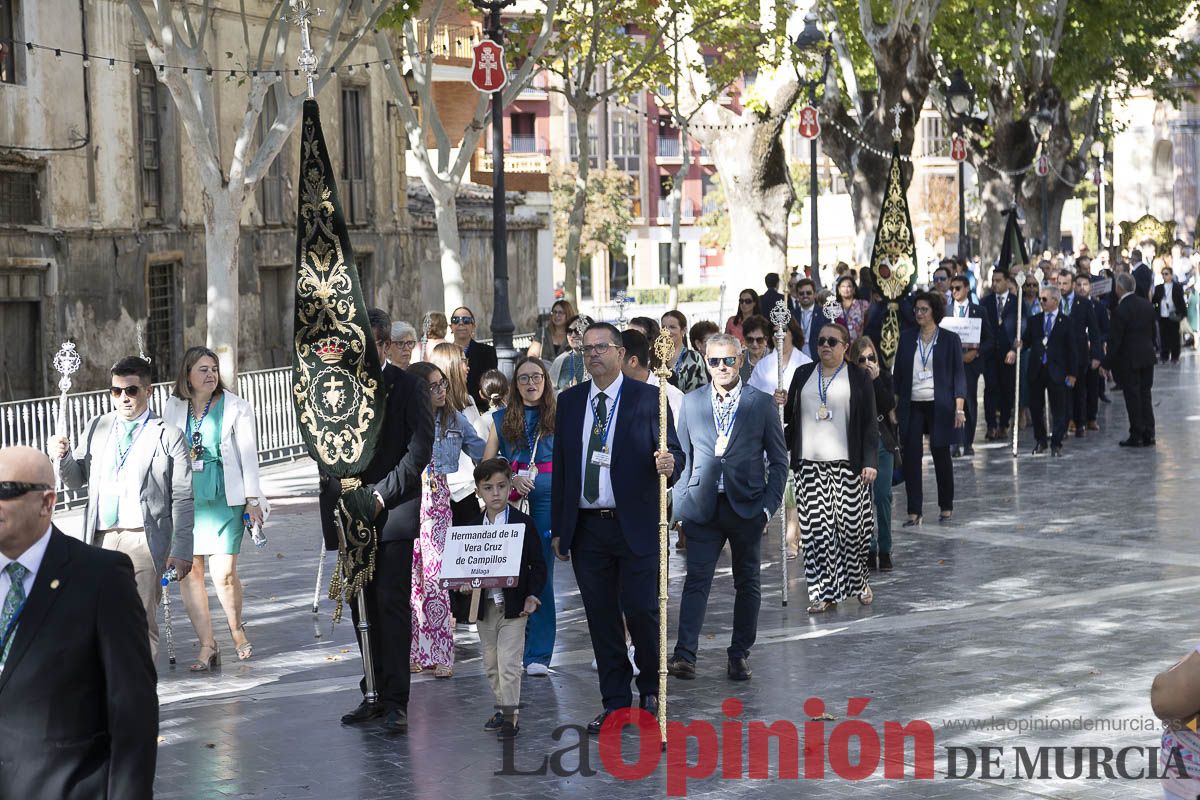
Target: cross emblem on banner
column 487, row 72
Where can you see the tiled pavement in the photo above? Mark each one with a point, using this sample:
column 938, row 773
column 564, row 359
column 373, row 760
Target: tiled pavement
column 1058, row 591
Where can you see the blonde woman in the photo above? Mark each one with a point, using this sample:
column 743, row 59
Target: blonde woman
column 218, row 428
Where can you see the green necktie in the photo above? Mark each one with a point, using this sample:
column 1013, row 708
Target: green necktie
column 12, row 604
column 1067, row 306
column 591, row 475
column 110, row 502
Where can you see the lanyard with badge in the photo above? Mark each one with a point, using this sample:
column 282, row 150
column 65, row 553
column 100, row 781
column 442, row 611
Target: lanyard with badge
column 724, row 416
column 530, row 472
column 197, row 438
column 601, row 457
column 122, row 457
column 924, row 354
column 824, row 414
column 497, row 594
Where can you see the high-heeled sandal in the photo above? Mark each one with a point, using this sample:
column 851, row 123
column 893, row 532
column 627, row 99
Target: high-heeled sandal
column 912, row 522
column 866, row 596
column 245, row 649
column 207, row 664
column 945, row 516
column 443, row 671
column 821, row 607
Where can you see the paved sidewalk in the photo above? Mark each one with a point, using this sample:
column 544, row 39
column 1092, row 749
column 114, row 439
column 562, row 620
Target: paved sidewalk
column 1059, row 590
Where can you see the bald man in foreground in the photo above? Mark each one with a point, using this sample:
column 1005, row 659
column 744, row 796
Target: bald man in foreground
column 78, row 705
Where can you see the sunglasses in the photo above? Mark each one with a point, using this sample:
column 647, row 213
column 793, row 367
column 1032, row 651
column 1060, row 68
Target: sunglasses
column 746, row 301
column 716, row 361
column 865, row 359
column 130, row 391
column 462, row 320
column 11, row 490
column 526, row 380
column 828, row 341
column 439, row 387
column 756, row 340
column 939, row 279
column 805, row 293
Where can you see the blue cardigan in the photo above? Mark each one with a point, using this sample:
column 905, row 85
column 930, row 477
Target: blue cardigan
column 949, row 382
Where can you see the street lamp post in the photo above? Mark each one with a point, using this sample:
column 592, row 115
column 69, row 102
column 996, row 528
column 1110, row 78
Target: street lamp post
column 961, row 99
column 1042, row 125
column 809, row 40
column 502, row 322
column 1098, row 152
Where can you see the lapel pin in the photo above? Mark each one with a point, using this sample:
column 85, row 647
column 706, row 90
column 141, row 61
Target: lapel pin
column 54, row 583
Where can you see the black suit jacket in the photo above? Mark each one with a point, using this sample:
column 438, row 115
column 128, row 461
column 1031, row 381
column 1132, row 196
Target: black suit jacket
column 1087, row 329
column 634, row 476
column 404, row 449
column 1143, row 280
column 532, row 577
column 862, row 429
column 1003, row 323
column 480, row 358
column 1176, row 298
column 949, row 383
column 1062, row 348
column 78, row 702
column 1131, row 335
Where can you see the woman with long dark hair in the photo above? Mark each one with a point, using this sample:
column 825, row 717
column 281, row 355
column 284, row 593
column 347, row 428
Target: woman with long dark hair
column 552, row 339
column 524, row 434
column 687, row 367
column 747, row 307
column 863, row 353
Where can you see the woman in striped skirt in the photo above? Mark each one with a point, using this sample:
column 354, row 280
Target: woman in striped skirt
column 834, row 437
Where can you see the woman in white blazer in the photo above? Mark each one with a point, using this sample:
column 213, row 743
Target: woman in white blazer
column 218, row 429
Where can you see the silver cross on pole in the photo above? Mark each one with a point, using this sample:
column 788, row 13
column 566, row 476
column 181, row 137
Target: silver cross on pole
column 141, row 341
column 621, row 300
column 301, row 15
column 832, row 309
column 781, row 317
column 582, row 323
column 66, row 363
column 897, row 111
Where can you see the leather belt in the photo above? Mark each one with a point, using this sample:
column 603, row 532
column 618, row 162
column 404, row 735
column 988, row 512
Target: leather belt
column 602, row 513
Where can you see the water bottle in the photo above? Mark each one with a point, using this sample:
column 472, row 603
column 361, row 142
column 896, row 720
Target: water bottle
column 260, row 539
column 169, row 576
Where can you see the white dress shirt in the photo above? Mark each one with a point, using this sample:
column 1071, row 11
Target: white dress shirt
column 1167, row 307
column 605, row 499
column 764, row 375
column 127, row 483
column 31, row 560
column 962, row 309
column 922, row 390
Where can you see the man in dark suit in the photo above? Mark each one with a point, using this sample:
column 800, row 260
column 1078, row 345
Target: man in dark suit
column 1054, row 367
column 976, row 357
column 1131, row 358
column 1095, row 381
column 604, row 513
column 480, row 357
column 804, row 310
column 1000, row 374
column 394, row 475
column 1082, row 313
column 725, row 430
column 1170, row 308
column 78, row 704
column 771, row 296
column 1143, row 276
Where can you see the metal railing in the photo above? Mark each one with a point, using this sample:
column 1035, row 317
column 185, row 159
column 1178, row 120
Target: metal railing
column 668, row 147
column 525, row 143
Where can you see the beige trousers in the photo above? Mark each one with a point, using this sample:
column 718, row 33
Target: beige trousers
column 133, row 544
column 503, row 642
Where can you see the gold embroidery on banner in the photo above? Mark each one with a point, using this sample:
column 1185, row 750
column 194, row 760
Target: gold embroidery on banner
column 335, row 393
column 893, row 257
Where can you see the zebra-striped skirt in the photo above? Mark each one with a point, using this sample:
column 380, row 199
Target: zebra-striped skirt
column 836, row 525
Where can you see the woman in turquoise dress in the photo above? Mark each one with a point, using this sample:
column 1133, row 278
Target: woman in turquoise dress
column 220, row 432
column 524, row 434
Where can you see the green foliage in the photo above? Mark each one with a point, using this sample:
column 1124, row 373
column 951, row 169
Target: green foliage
column 608, row 214
column 658, row 295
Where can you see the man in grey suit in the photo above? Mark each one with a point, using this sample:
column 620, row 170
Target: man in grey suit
column 725, row 430
column 139, row 484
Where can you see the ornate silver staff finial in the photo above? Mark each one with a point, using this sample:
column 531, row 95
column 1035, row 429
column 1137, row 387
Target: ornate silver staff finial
column 621, row 300
column 1019, row 278
column 66, row 364
column 897, row 110
column 1040, row 274
column 582, row 323
column 780, row 318
column 832, row 309
column 426, row 327
column 301, row 15
column 141, row 342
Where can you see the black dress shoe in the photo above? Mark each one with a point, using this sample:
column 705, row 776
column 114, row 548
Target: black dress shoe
column 649, row 704
column 885, row 562
column 956, row 452
column 1149, row 442
column 494, row 722
column 508, row 730
column 872, row 562
column 1130, row 442
column 365, row 711
column 738, row 669
column 396, row 721
column 1039, row 448
column 594, row 726
column 681, row 668
column 1080, row 431
column 1056, row 452
column 968, row 451
column 990, row 435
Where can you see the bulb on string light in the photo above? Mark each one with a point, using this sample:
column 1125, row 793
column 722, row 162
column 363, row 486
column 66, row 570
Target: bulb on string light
column 350, row 68
column 185, row 70
column 86, row 63
column 58, row 53
column 387, row 64
column 29, row 46
column 111, row 65
column 208, row 74
column 136, row 70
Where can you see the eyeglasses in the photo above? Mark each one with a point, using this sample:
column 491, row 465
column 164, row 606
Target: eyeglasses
column 598, row 349
column 939, row 278
column 130, row 391
column 439, row 387
column 462, row 320
column 11, row 490
column 527, row 380
column 407, row 344
column 716, row 361
column 922, row 310
column 805, row 293
column 756, row 340
column 558, row 312
column 828, row 341
column 865, row 359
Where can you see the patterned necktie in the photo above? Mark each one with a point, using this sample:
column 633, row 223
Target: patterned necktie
column 1046, row 334
column 110, row 501
column 12, row 604
column 591, row 474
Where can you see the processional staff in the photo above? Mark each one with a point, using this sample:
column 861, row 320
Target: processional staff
column 66, row 364
column 781, row 316
column 621, row 300
column 580, row 327
column 663, row 347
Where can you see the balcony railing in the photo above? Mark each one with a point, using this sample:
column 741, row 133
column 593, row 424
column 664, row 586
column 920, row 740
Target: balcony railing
column 447, row 41
column 526, row 143
column 668, row 147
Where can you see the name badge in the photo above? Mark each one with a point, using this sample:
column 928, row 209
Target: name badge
column 722, row 443
column 602, row 458
column 924, row 375
column 197, row 466
column 529, row 474
column 824, row 414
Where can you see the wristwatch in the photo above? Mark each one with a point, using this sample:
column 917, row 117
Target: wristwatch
column 252, row 502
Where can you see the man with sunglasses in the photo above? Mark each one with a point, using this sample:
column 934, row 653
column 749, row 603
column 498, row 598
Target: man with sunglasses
column 976, row 357
column 139, row 485
column 725, row 430
column 804, row 310
column 480, row 357
column 78, row 702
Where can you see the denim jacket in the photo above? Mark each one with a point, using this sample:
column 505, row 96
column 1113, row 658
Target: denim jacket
column 448, row 444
